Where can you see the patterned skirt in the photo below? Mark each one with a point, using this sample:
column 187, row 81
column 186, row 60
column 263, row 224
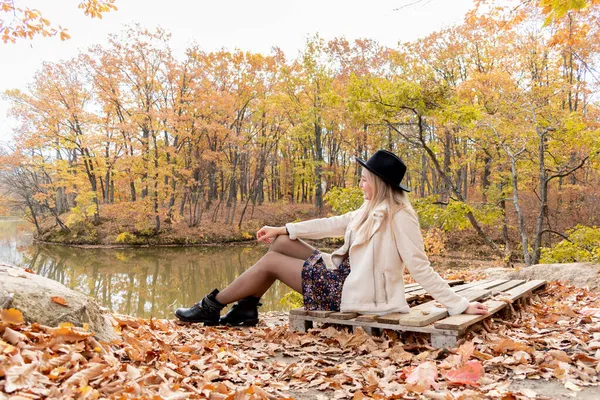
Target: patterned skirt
column 321, row 287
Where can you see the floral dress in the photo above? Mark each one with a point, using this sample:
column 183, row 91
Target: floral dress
column 322, row 287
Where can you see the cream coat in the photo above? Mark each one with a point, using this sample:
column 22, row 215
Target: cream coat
column 375, row 284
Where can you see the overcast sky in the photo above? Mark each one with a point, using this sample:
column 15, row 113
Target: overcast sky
column 255, row 25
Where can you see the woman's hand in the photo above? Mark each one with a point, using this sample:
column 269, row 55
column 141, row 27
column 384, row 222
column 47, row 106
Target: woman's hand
column 476, row 308
column 268, row 233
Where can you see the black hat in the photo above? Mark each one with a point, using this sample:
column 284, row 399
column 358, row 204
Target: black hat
column 387, row 166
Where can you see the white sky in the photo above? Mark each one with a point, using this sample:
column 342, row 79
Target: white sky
column 254, row 25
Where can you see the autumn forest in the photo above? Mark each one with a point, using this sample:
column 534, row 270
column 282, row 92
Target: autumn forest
column 496, row 118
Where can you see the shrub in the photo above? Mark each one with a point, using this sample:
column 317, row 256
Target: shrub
column 126, row 238
column 291, row 300
column 454, row 215
column 583, row 245
column 343, row 200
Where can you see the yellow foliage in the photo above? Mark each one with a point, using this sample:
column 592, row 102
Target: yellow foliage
column 434, row 241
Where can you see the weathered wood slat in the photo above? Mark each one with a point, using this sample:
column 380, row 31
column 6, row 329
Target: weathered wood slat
column 463, row 321
column 343, row 315
column 484, row 284
column 367, row 318
column 525, row 289
column 426, row 313
column 319, row 313
column 506, row 286
column 298, row 311
column 413, row 287
column 416, row 293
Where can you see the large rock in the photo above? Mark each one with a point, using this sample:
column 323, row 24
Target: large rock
column 32, row 295
column 579, row 274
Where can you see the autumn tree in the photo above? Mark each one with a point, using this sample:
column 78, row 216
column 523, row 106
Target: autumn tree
column 21, row 22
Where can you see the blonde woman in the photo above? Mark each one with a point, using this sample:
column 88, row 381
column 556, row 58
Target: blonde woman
column 365, row 275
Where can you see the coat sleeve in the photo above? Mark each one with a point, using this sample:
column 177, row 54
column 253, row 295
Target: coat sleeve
column 409, row 242
column 321, row 227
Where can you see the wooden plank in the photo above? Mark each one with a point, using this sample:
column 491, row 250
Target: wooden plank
column 506, row 286
column 414, row 294
column 463, row 321
column 319, row 313
column 367, row 318
column 481, row 285
column 298, row 311
column 412, row 288
column 476, row 285
column 343, row 315
column 525, row 289
column 426, row 313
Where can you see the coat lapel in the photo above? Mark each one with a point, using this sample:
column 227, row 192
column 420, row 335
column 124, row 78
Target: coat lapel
column 378, row 215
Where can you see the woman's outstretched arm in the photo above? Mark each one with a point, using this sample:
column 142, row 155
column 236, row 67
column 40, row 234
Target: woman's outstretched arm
column 409, row 242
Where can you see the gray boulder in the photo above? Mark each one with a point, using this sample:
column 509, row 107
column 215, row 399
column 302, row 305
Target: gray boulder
column 32, row 295
column 584, row 275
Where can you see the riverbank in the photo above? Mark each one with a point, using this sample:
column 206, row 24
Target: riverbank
column 123, row 226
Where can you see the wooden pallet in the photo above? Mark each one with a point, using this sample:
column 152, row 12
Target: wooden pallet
column 428, row 317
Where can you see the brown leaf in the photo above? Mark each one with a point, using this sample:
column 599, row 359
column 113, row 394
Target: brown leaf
column 13, row 337
column 20, row 377
column 84, row 376
column 559, row 355
column 59, row 300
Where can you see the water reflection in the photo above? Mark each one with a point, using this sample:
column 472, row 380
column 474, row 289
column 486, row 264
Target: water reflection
column 139, row 281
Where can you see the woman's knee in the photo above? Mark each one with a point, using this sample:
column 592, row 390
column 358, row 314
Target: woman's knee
column 268, row 263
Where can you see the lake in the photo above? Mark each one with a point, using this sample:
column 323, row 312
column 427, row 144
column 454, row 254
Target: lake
column 145, row 282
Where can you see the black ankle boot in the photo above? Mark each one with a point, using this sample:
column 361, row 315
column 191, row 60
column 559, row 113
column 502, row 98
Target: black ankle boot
column 242, row 313
column 206, row 310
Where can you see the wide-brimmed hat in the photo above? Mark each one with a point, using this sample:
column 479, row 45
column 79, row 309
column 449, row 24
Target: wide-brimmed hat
column 387, row 166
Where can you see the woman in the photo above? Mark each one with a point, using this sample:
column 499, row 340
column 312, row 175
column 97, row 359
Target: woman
column 365, row 275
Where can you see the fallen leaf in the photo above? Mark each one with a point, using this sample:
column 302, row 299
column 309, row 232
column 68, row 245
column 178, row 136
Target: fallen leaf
column 70, row 333
column 423, row 377
column 469, row 374
column 12, row 316
column 20, row 377
column 13, row 337
column 59, row 300
column 571, row 386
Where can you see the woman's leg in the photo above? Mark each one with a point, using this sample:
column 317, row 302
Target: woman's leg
column 293, row 248
column 283, row 261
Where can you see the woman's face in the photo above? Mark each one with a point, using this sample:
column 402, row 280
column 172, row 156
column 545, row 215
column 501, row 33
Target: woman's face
column 365, row 186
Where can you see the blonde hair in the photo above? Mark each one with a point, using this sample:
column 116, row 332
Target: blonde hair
column 383, row 193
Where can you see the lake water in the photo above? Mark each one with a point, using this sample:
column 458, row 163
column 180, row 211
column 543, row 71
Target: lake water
column 143, row 282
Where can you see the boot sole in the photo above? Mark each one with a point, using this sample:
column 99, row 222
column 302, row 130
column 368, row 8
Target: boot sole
column 206, row 323
column 248, row 322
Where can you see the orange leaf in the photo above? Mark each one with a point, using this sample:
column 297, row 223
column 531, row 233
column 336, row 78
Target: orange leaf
column 70, row 333
column 59, row 300
column 12, row 316
column 467, row 375
column 30, row 270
